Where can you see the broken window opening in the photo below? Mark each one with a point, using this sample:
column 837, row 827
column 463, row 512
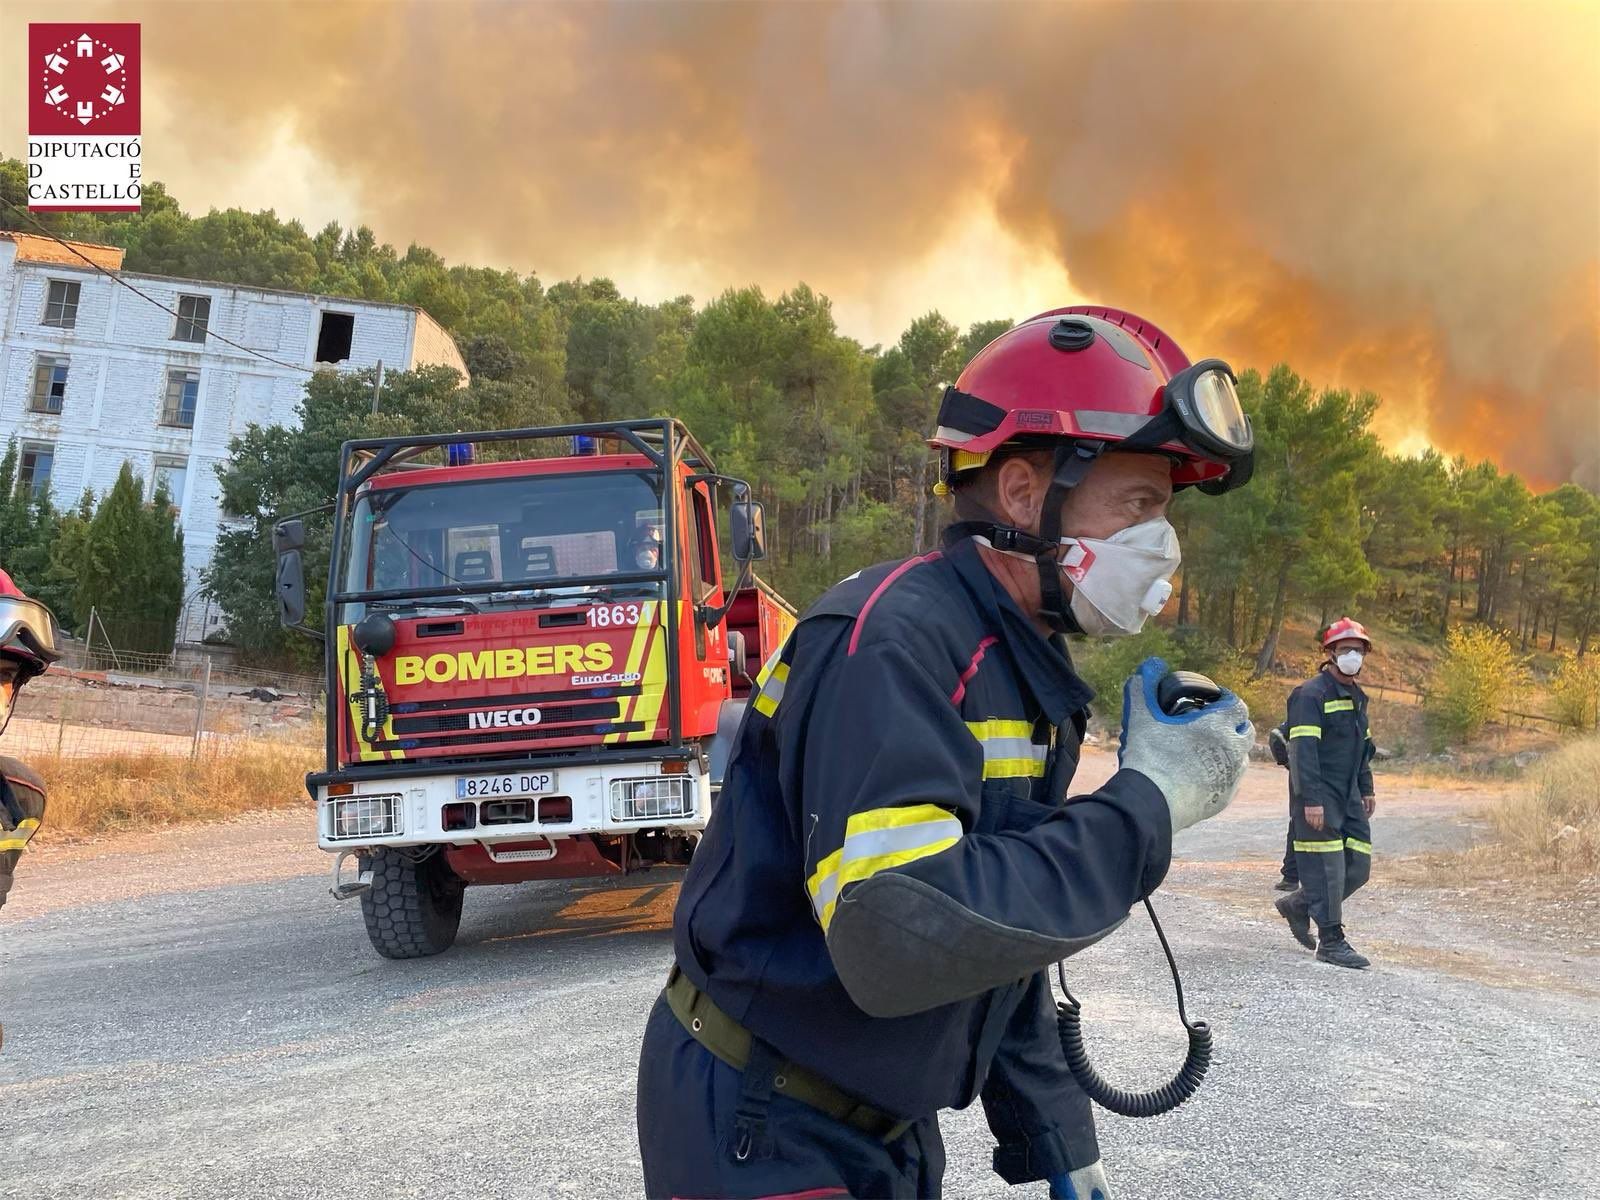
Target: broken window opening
column 334, row 337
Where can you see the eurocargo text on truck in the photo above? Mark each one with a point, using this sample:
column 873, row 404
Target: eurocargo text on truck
column 534, row 670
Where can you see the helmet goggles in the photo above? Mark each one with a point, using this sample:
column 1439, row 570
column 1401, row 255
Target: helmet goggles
column 1201, row 412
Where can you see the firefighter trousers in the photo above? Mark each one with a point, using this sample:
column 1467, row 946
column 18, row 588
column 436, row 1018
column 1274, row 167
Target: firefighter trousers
column 1335, row 861
column 697, row 1115
column 1291, row 864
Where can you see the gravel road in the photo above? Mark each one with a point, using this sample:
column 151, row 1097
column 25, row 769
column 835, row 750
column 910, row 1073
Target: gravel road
column 189, row 1014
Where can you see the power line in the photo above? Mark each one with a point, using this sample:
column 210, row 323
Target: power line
column 115, row 278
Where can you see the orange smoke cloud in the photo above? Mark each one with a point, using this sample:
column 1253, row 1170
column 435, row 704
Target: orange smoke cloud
column 1402, row 197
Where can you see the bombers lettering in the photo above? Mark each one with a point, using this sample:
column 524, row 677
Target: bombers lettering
column 512, row 662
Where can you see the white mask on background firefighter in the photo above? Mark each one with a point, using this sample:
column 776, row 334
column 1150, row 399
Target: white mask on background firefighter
column 1120, row 582
column 647, row 556
column 1349, row 661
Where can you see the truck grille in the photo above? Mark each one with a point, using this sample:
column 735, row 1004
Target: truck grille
column 554, row 714
column 484, row 737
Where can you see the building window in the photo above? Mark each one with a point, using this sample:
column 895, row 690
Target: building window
column 33, row 469
column 49, row 384
column 170, row 473
column 61, row 306
column 183, row 391
column 334, row 336
column 193, row 314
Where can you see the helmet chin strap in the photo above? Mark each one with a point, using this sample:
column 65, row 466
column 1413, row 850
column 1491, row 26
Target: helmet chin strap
column 1073, row 460
column 1072, row 463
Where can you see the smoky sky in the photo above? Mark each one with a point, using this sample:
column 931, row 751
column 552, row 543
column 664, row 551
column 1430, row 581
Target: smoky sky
column 1402, row 197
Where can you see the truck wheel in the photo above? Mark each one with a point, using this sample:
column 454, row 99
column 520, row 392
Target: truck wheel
column 413, row 908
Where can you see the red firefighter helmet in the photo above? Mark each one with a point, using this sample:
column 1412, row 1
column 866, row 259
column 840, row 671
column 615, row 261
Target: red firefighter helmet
column 1344, row 628
column 1102, row 378
column 27, row 630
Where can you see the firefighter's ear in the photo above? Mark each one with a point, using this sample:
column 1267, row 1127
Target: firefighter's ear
column 1019, row 487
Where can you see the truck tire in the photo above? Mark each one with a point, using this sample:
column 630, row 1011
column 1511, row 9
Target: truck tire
column 413, row 908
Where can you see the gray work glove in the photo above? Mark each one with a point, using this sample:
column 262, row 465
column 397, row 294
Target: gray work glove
column 1196, row 758
column 1086, row 1183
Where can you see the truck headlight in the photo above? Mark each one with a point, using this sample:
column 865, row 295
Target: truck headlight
column 657, row 798
column 354, row 817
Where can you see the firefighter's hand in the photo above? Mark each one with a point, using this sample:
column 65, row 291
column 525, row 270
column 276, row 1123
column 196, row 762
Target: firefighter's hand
column 1370, row 803
column 1196, row 758
column 1313, row 814
column 1086, row 1183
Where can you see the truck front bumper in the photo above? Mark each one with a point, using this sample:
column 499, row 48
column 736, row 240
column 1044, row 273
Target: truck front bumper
column 421, row 809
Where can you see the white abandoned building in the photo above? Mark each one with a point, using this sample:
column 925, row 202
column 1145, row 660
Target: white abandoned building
column 92, row 376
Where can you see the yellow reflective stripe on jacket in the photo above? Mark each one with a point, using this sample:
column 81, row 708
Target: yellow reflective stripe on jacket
column 1339, row 706
column 1306, row 731
column 1009, row 751
column 877, row 840
column 1333, row 847
column 1358, row 845
column 770, row 683
column 18, row 838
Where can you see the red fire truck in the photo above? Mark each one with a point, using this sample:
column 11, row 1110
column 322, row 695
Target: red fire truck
column 534, row 669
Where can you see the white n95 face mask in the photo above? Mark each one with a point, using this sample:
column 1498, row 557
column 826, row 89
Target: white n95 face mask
column 1120, row 582
column 1350, row 662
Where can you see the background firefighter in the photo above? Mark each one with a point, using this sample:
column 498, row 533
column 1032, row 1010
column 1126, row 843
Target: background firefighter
column 1331, row 797
column 862, row 935
column 1278, row 743
column 27, row 646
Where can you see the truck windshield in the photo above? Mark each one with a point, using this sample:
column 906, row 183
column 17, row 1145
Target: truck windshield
column 530, row 538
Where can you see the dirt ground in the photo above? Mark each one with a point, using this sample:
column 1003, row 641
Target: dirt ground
column 182, row 1005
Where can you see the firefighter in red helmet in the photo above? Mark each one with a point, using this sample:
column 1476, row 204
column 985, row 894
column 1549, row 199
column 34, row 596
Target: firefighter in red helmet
column 1331, row 797
column 863, row 933
column 28, row 641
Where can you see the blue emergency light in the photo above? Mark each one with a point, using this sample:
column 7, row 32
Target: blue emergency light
column 458, row 454
column 583, row 444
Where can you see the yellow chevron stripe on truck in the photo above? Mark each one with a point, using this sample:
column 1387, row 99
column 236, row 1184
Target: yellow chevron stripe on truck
column 648, row 616
column 350, row 681
column 653, row 684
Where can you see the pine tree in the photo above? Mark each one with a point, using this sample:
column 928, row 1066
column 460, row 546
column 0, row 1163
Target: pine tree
column 130, row 571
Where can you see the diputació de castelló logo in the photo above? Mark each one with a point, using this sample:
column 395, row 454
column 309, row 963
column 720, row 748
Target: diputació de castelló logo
column 83, row 117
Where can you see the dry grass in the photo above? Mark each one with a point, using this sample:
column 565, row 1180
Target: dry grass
column 1551, row 825
column 107, row 793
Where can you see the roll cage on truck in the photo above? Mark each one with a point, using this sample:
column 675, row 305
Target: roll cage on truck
column 533, row 668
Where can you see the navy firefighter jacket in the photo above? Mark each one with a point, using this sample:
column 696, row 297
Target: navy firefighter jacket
column 1330, row 746
column 891, row 867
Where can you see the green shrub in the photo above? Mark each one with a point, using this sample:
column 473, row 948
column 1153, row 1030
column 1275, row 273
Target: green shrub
column 1575, row 691
column 1478, row 676
column 1105, row 663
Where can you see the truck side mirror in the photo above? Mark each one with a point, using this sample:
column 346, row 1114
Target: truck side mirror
column 288, row 538
column 288, row 535
column 747, row 530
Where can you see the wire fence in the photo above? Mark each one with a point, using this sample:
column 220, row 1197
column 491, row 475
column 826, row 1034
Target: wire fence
column 1510, row 717
column 158, row 704
column 114, row 646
